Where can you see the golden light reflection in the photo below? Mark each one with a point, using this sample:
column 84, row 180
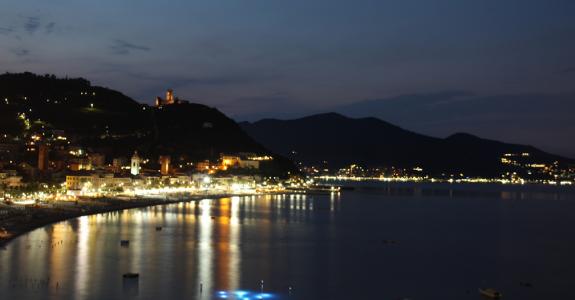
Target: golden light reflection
column 205, row 252
column 82, row 265
column 58, row 256
column 222, row 243
column 234, row 242
column 208, row 233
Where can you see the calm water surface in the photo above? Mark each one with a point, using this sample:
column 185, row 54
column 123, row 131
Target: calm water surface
column 379, row 241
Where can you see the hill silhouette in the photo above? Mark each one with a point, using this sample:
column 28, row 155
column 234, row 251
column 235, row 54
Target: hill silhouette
column 106, row 121
column 341, row 141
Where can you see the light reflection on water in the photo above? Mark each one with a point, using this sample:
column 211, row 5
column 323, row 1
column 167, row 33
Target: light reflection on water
column 324, row 246
column 82, row 266
column 196, row 250
column 204, row 248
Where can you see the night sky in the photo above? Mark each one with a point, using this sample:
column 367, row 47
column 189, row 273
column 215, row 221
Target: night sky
column 499, row 69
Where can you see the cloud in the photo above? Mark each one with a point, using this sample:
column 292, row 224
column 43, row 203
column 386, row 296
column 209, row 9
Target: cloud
column 49, row 28
column 121, row 47
column 29, row 25
column 32, row 24
column 21, row 52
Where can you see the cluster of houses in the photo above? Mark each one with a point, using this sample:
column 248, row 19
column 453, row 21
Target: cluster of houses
column 88, row 172
column 120, row 177
column 45, row 154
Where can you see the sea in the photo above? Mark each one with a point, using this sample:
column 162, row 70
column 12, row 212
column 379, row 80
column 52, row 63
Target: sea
column 373, row 240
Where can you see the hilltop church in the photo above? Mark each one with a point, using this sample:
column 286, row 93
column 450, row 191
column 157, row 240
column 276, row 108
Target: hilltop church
column 169, row 99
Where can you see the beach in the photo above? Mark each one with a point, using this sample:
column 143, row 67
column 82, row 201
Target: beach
column 16, row 220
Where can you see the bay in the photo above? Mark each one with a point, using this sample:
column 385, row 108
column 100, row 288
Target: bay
column 378, row 241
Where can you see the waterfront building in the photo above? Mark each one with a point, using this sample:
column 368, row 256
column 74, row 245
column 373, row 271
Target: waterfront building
column 85, row 181
column 180, row 180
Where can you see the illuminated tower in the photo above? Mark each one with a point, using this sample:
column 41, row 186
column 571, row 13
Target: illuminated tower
column 170, row 97
column 165, row 165
column 43, row 157
column 135, row 166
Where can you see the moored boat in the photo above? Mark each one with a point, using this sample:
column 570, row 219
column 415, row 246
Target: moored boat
column 490, row 293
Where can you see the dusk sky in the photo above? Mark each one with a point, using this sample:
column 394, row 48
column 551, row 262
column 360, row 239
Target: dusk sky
column 498, row 69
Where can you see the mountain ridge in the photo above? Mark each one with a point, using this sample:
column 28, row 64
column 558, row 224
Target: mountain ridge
column 377, row 143
column 109, row 122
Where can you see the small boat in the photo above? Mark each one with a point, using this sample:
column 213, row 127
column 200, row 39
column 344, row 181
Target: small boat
column 490, row 293
column 124, row 242
column 158, row 228
column 131, row 275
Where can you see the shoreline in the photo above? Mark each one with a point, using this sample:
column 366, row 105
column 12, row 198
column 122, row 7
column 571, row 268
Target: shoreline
column 34, row 218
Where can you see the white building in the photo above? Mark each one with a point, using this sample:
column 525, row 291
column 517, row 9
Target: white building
column 96, row 182
column 135, row 166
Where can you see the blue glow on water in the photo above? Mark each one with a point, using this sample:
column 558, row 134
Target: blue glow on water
column 223, row 294
column 241, row 294
column 244, row 295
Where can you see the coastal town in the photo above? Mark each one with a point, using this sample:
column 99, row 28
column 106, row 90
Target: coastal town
column 50, row 173
column 46, row 176
column 88, row 185
column 287, row 150
column 46, row 164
